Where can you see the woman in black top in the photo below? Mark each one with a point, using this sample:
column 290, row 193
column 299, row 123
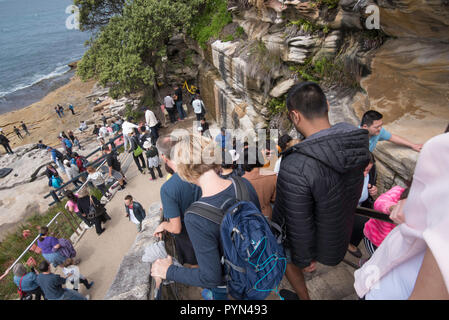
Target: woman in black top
column 85, row 201
column 135, row 149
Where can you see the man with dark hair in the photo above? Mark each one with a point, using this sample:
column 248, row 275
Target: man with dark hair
column 17, row 131
column 24, row 127
column 176, row 196
column 372, row 121
column 178, row 102
column 319, row 184
column 115, row 168
column 134, row 211
column 51, row 284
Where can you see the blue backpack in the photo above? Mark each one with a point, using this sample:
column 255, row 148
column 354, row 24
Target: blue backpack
column 56, row 182
column 253, row 258
column 67, row 143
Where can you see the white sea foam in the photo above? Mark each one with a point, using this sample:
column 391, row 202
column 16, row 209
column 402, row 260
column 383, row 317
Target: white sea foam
column 60, row 70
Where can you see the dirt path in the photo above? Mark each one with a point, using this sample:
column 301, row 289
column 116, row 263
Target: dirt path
column 101, row 255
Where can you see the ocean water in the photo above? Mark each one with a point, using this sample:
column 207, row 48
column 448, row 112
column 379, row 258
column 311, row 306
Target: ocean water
column 35, row 48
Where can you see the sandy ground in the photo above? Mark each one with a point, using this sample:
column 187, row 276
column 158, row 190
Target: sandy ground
column 41, row 119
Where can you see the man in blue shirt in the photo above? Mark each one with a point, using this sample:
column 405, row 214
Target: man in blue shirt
column 372, row 121
column 176, row 196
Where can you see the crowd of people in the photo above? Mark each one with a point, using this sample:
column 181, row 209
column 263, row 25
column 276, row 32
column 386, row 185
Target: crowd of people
column 319, row 183
column 309, row 201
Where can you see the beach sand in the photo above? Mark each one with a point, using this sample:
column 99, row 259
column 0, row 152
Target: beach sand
column 41, row 119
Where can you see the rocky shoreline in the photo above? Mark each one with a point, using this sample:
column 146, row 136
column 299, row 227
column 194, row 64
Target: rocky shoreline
column 22, row 191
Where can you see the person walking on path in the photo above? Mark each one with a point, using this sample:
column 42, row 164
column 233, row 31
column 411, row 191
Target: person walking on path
column 24, row 127
column 27, row 282
column 169, row 106
column 152, row 123
column 72, row 207
column 178, row 102
column 198, row 107
column 72, row 272
column 74, row 139
column 47, row 244
column 57, row 112
column 51, row 284
column 319, row 185
column 57, row 158
column 67, row 145
column 114, row 165
column 134, row 211
column 71, row 109
column 127, row 129
column 97, row 179
column 4, row 141
column 137, row 152
column 61, row 110
column 87, row 202
column 17, row 131
column 72, row 171
column 153, row 160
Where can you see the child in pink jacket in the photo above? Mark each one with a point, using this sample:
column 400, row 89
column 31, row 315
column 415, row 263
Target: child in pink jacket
column 376, row 231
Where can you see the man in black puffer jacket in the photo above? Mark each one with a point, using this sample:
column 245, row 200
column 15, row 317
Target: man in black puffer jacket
column 319, row 184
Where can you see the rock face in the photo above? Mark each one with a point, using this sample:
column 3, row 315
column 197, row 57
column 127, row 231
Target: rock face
column 133, row 280
column 406, row 78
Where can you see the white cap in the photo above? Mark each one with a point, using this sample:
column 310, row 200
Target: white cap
column 66, row 161
column 147, row 145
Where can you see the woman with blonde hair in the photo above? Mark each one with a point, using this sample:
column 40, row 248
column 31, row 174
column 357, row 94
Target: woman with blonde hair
column 198, row 161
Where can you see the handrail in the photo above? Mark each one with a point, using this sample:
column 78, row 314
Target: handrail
column 94, row 163
column 370, row 213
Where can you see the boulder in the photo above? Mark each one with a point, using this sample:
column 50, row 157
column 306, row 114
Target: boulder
column 282, row 88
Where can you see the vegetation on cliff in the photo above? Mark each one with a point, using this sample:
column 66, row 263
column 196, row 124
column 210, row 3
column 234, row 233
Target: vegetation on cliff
column 123, row 54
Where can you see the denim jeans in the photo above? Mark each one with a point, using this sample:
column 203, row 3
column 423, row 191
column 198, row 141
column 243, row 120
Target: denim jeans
column 55, row 258
column 181, row 112
column 72, row 295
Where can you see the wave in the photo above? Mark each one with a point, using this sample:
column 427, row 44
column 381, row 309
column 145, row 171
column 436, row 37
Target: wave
column 60, row 70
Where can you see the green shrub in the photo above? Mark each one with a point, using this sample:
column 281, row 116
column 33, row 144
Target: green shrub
column 277, row 105
column 210, row 21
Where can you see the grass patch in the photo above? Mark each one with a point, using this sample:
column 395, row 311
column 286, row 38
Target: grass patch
column 211, row 20
column 326, row 71
column 14, row 243
column 309, row 26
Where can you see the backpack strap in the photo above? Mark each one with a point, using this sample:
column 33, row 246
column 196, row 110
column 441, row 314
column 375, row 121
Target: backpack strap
column 241, row 191
column 206, row 211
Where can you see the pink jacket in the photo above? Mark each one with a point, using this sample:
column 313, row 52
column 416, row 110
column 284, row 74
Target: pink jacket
column 376, row 230
column 426, row 220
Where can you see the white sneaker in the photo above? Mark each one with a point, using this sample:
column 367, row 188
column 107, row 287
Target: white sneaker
column 88, row 296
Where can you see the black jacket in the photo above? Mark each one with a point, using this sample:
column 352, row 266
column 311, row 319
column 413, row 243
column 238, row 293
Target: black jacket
column 3, row 139
column 138, row 210
column 318, row 188
column 135, row 142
